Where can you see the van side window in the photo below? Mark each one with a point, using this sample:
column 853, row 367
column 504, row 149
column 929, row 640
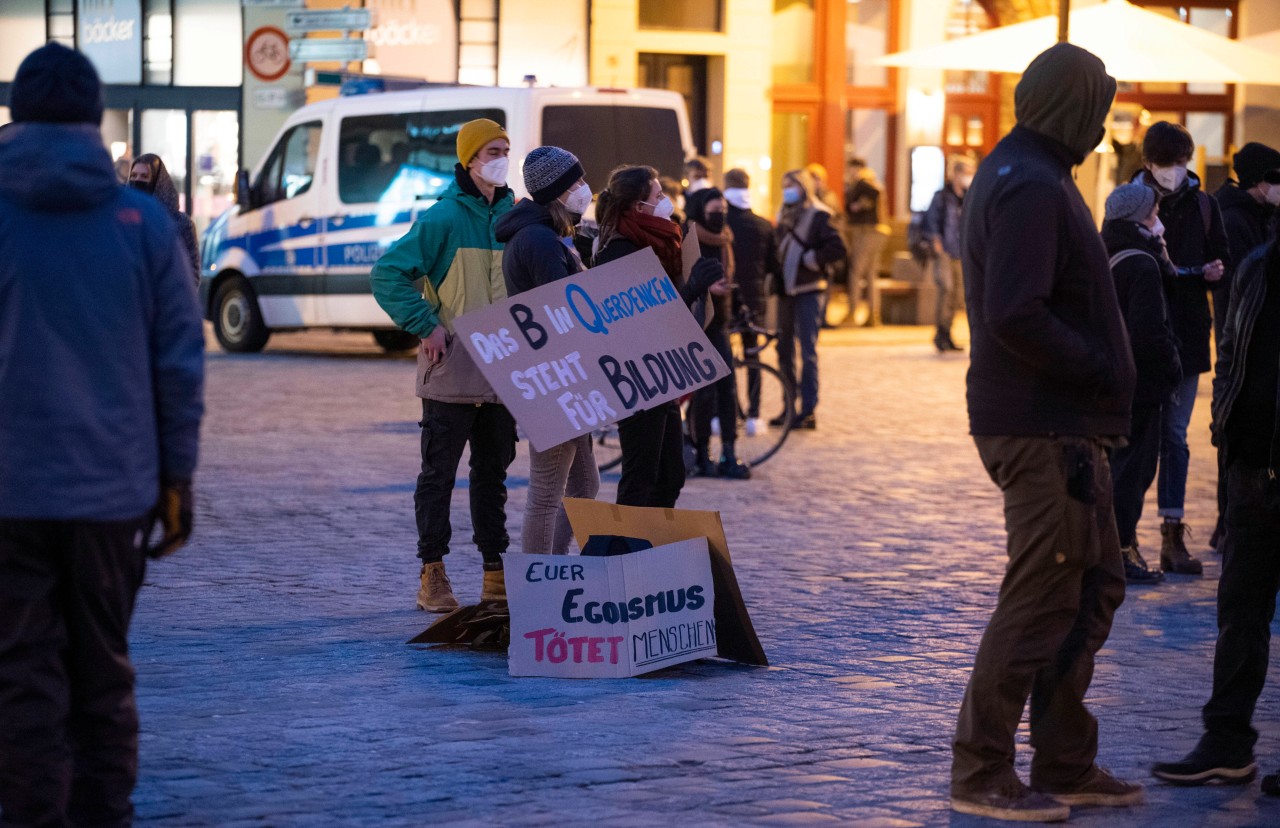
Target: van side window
column 605, row 136
column 401, row 158
column 292, row 166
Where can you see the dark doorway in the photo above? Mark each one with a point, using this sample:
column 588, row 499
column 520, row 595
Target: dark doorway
column 686, row 74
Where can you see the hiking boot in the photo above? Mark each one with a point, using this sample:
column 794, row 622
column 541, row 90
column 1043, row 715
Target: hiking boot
column 435, row 593
column 1136, row 570
column 780, row 420
column 805, row 421
column 1098, row 788
column 1014, row 804
column 1199, row 768
column 495, row 586
column 733, row 470
column 1174, row 556
column 1271, row 784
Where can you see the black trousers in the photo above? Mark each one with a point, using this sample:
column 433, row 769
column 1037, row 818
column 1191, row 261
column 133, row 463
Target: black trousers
column 1133, row 469
column 719, row 399
column 446, row 430
column 652, row 457
column 1246, row 605
column 68, row 721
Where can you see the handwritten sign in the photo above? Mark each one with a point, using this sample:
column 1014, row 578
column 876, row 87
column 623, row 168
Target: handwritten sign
column 583, row 352
column 611, row 617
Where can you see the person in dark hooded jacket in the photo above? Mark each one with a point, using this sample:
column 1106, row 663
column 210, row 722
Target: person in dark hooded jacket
column 101, row 378
column 1049, row 389
column 149, row 175
column 538, row 249
column 1139, row 266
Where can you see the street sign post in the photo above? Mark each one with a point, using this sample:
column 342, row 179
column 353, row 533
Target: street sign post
column 324, row 20
column 318, row 50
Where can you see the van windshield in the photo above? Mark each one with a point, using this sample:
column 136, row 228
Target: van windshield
column 400, row 158
column 608, row 136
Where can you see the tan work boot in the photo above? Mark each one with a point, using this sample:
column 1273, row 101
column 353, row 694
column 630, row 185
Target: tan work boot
column 1174, row 556
column 435, row 594
column 495, row 586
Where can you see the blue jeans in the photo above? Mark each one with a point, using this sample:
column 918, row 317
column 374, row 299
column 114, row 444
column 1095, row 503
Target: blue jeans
column 1175, row 457
column 798, row 319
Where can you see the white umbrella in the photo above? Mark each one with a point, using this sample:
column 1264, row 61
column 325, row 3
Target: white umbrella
column 1135, row 44
column 1269, row 42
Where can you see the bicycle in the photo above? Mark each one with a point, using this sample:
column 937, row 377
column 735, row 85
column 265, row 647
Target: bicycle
column 766, row 423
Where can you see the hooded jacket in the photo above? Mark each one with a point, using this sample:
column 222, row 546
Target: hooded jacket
column 162, row 188
column 1245, row 221
column 1049, row 351
column 755, row 255
column 1139, row 280
column 534, row 254
column 101, row 340
column 449, row 263
column 1182, row 213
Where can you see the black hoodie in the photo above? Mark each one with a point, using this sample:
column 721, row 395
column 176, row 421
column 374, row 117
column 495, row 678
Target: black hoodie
column 534, row 254
column 1050, row 355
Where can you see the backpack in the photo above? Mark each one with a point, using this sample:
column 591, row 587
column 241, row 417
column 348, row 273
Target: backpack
column 918, row 245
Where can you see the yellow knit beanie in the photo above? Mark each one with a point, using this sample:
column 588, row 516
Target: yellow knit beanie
column 474, row 135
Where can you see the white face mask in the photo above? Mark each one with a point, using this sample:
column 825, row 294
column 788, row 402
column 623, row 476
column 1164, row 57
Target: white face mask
column 1171, row 178
column 494, row 172
column 741, row 198
column 1273, row 195
column 579, row 199
column 664, row 208
column 792, row 195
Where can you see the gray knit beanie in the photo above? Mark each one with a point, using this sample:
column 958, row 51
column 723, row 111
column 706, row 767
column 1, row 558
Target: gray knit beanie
column 1130, row 202
column 549, row 172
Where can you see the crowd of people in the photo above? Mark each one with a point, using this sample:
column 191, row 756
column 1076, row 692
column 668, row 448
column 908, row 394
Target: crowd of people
column 1086, row 355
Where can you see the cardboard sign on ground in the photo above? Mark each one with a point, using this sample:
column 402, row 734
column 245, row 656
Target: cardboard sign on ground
column 583, row 352
column 735, row 636
column 610, row 617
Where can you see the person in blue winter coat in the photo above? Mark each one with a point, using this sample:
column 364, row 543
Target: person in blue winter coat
column 101, row 377
column 538, row 249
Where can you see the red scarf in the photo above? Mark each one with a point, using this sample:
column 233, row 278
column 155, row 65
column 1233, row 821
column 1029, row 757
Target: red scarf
column 663, row 235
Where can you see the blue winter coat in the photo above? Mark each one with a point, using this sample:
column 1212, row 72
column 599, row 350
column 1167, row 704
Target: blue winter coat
column 101, row 341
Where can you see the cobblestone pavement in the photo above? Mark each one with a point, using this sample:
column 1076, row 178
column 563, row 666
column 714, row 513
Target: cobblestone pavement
column 276, row 687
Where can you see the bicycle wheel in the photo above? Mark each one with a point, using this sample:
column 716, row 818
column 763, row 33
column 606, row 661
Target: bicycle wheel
column 757, row 440
column 606, row 447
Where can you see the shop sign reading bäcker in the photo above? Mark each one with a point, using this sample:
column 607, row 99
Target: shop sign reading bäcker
column 584, row 352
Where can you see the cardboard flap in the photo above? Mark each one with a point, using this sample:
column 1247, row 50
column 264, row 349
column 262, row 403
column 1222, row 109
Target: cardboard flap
column 736, row 636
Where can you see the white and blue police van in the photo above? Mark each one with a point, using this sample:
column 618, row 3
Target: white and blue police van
column 347, row 177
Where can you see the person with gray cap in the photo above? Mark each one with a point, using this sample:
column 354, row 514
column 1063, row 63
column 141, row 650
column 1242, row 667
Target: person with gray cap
column 101, row 382
column 1049, row 388
column 1139, row 265
column 538, row 238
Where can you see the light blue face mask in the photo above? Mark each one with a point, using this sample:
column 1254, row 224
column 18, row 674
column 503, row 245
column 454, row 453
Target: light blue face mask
column 791, row 195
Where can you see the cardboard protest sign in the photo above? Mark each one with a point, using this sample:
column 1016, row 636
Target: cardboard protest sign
column 610, row 617
column 735, row 635
column 583, row 352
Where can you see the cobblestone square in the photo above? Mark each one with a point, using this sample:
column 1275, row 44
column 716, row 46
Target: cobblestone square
column 276, row 687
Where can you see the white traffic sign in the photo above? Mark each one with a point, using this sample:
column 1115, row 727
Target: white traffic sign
column 319, row 50
column 323, row 20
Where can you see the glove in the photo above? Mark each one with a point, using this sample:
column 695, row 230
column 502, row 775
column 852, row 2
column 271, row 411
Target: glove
column 704, row 274
column 175, row 514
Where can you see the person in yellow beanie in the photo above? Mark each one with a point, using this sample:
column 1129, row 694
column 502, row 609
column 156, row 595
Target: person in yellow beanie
column 448, row 264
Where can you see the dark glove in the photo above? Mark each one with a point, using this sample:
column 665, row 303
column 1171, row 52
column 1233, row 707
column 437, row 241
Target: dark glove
column 704, row 274
column 175, row 514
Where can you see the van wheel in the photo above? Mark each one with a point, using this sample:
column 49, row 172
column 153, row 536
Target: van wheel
column 237, row 321
column 394, row 342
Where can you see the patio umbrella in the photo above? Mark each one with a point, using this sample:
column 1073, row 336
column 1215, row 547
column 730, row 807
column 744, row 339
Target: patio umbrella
column 1269, row 42
column 1135, row 44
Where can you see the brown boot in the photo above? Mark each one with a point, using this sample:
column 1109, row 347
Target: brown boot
column 435, row 593
column 1174, row 556
column 495, row 586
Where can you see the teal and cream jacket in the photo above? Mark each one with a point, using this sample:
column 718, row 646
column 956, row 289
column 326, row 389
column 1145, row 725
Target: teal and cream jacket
column 449, row 263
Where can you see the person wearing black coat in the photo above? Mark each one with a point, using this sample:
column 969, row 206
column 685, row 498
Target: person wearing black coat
column 1139, row 266
column 808, row 243
column 755, row 257
column 1197, row 242
column 538, row 238
column 149, row 175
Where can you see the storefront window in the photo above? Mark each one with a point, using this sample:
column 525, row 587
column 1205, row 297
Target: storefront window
column 790, row 148
column 689, row 15
column 217, row 136
column 967, row 18
column 867, row 138
column 164, row 133
column 117, row 136
column 211, row 41
column 793, row 41
column 157, row 44
column 866, row 38
column 24, row 31
column 1217, row 21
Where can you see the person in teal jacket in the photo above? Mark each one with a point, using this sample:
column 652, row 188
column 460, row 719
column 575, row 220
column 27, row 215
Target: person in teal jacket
column 450, row 263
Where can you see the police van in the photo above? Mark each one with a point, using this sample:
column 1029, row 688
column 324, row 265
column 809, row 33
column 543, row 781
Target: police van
column 347, row 177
